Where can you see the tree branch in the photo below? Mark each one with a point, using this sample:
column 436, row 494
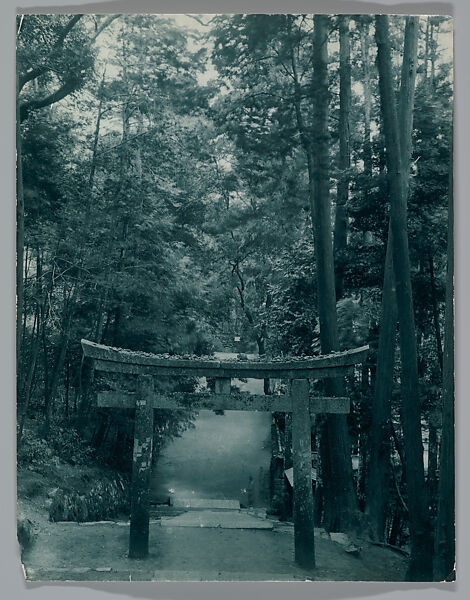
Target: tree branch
column 34, row 73
column 200, row 21
column 105, row 24
column 66, row 88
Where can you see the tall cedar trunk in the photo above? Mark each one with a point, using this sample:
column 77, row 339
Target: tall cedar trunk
column 44, row 352
column 35, row 344
column 426, row 51
column 363, row 438
column 433, row 444
column 85, row 379
column 435, row 311
column 367, row 147
column 54, row 382
column 338, row 498
column 21, row 380
column 67, row 388
column 340, row 233
column 432, row 47
column 379, row 470
column 27, row 384
column 61, row 353
column 96, row 137
column 420, row 530
column 445, row 529
column 88, row 373
column 19, row 238
column 124, row 170
column 341, row 505
column 378, row 473
column 27, row 264
column 378, row 477
column 44, row 312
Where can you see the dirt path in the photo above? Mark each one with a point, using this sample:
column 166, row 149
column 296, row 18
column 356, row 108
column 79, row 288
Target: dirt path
column 217, row 457
column 97, row 552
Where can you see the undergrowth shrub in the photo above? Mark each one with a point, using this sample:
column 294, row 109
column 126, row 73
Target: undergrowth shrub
column 63, row 442
column 25, row 532
column 106, row 499
column 69, row 446
column 33, row 450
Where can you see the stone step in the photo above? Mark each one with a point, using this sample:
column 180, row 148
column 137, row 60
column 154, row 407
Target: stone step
column 219, row 519
column 204, row 504
column 163, row 510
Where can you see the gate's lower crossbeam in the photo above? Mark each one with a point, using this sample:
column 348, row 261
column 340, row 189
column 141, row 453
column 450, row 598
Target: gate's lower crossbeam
column 201, row 401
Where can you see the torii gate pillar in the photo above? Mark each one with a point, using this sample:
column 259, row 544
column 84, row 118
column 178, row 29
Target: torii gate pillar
column 141, row 469
column 302, row 459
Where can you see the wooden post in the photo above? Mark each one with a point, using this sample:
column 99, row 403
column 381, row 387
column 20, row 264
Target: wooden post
column 302, row 459
column 141, row 467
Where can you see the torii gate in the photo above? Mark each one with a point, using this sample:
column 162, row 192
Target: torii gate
column 298, row 401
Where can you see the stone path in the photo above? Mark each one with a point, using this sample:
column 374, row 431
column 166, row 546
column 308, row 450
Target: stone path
column 222, row 519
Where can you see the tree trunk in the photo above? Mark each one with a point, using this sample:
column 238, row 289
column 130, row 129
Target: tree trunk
column 99, row 434
column 340, row 233
column 363, row 437
column 27, row 264
column 67, row 388
column 367, row 149
column 379, row 436
column 84, row 396
column 379, row 446
column 426, row 51
column 51, row 391
column 432, row 460
column 435, row 312
column 96, row 137
column 341, row 505
column 420, row 530
column 445, row 529
column 60, row 355
column 45, row 357
column 19, row 238
column 29, row 378
column 124, row 161
column 432, row 47
column 380, row 426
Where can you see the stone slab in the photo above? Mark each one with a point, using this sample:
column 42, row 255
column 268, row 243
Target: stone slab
column 205, row 503
column 218, row 519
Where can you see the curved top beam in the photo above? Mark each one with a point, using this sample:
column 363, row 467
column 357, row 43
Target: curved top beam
column 107, row 358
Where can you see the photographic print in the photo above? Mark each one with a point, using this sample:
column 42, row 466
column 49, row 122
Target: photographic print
column 235, row 322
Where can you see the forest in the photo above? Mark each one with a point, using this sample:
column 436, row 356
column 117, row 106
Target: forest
column 281, row 182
